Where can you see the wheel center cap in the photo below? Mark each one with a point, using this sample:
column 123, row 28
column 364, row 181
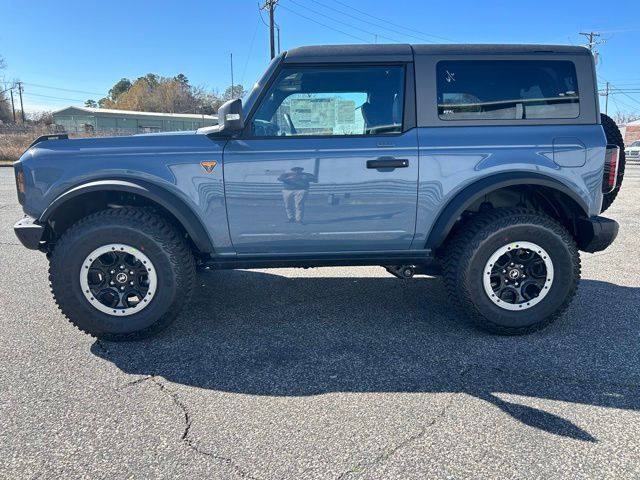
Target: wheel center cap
column 514, row 274
column 122, row 277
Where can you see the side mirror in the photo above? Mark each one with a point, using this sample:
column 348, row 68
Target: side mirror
column 230, row 117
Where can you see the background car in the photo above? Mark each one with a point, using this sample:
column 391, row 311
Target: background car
column 632, row 152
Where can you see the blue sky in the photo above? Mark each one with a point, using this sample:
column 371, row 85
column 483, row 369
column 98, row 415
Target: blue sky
column 77, row 49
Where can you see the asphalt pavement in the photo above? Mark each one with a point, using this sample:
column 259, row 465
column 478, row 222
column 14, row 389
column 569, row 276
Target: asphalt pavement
column 331, row 373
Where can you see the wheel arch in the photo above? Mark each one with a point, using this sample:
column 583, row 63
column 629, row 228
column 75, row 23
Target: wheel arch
column 153, row 195
column 569, row 201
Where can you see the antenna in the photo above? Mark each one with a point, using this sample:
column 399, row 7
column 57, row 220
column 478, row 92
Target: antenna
column 232, row 84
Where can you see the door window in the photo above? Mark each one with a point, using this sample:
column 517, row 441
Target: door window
column 332, row 101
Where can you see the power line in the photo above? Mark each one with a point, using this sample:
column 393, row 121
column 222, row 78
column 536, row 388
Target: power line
column 618, row 100
column 345, row 23
column 246, row 62
column 615, row 102
column 628, row 96
column 55, row 98
column 325, row 25
column 404, row 33
column 628, row 86
column 61, row 89
column 611, row 86
column 630, row 107
column 403, row 27
column 261, row 17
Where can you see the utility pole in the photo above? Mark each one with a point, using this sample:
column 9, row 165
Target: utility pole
column 271, row 6
column 593, row 42
column 13, row 108
column 606, row 94
column 591, row 36
column 271, row 22
column 20, row 89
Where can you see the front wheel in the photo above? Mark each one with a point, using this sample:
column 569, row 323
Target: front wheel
column 513, row 270
column 121, row 274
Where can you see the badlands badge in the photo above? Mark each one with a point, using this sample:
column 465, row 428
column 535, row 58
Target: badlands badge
column 208, row 165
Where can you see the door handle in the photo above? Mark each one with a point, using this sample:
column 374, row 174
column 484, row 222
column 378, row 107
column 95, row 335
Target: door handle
column 388, row 162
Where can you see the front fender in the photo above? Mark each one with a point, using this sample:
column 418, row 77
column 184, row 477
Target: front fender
column 161, row 196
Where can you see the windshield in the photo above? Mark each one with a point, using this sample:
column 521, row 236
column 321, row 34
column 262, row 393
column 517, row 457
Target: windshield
column 635, row 144
column 251, row 96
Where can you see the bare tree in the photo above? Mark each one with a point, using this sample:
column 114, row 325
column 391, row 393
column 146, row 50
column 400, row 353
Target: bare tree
column 5, row 107
column 43, row 118
column 622, row 118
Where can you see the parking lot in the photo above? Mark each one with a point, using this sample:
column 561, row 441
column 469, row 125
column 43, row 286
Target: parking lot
column 332, row 373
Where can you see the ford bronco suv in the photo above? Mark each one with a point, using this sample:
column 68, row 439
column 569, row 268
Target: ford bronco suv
column 487, row 164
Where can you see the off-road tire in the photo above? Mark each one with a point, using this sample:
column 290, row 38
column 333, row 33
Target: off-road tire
column 466, row 254
column 612, row 132
column 144, row 230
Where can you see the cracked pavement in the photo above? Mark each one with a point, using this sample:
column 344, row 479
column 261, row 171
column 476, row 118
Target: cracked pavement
column 333, row 373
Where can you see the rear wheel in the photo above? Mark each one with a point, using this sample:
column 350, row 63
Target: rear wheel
column 121, row 274
column 513, row 270
column 614, row 137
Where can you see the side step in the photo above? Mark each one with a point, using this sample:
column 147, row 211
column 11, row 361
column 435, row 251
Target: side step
column 421, row 260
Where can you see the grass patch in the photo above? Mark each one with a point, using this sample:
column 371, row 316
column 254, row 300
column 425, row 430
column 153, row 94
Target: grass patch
column 13, row 144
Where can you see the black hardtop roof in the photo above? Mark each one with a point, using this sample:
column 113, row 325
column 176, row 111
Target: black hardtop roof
column 404, row 52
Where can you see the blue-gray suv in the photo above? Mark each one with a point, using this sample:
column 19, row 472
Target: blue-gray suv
column 486, row 164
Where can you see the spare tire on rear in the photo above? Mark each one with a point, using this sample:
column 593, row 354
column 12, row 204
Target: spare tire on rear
column 613, row 137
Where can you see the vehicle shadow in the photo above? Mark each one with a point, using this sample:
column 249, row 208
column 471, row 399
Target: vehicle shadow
column 264, row 334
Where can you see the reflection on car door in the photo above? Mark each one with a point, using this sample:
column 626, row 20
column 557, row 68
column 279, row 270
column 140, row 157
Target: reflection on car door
column 347, row 206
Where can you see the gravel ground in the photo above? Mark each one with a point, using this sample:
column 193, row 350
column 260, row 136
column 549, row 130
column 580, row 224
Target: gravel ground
column 323, row 374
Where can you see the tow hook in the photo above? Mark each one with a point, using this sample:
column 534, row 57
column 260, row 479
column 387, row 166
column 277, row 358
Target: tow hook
column 401, row 271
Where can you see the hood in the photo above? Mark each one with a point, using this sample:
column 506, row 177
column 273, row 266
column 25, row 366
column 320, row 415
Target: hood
column 103, row 151
column 164, row 141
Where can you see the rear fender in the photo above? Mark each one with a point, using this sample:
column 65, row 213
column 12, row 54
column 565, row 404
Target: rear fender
column 450, row 214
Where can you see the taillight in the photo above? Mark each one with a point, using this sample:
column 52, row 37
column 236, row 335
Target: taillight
column 20, row 183
column 611, row 162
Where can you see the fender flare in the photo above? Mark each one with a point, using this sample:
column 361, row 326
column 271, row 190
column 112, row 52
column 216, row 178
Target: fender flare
column 471, row 193
column 157, row 194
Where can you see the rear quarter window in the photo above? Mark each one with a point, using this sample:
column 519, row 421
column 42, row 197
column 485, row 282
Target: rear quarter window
column 507, row 90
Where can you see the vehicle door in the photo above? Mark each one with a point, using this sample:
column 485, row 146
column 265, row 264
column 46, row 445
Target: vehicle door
column 327, row 162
